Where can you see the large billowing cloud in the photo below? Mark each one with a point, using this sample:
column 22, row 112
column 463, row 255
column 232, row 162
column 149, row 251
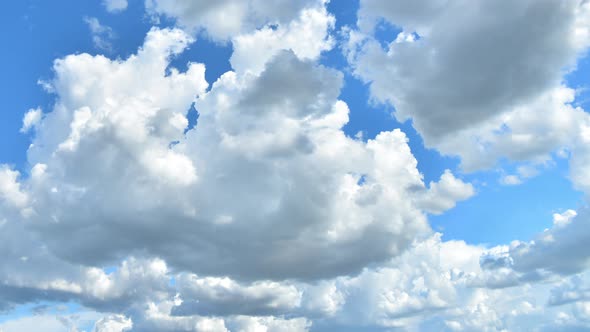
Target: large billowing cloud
column 473, row 75
column 267, row 160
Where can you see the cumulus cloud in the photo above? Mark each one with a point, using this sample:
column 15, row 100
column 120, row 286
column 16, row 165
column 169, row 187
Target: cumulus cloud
column 267, row 159
column 471, row 96
column 224, row 19
column 307, row 36
column 554, row 254
column 223, row 297
column 444, row 194
column 10, row 189
column 560, row 249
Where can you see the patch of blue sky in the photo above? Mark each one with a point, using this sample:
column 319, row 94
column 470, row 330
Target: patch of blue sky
column 578, row 79
column 110, row 269
column 499, row 213
column 214, row 55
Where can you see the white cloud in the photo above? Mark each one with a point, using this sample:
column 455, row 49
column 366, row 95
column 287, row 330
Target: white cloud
column 444, row 194
column 115, row 6
column 471, row 96
column 267, row 138
column 102, row 35
column 511, row 180
column 523, row 172
column 10, row 188
column 270, row 324
column 223, row 296
column 224, row 19
column 562, row 219
column 580, row 156
column 114, row 323
column 31, row 119
column 553, row 254
column 307, row 36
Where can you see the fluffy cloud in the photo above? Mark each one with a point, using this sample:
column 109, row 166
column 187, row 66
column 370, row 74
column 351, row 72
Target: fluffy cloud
column 561, row 249
column 267, row 160
column 307, row 35
column 10, row 189
column 554, row 254
column 31, row 119
column 476, row 96
column 223, row 297
column 225, row 19
column 444, row 194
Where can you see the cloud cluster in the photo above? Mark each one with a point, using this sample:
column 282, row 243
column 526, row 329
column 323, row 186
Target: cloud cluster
column 114, row 163
column 265, row 215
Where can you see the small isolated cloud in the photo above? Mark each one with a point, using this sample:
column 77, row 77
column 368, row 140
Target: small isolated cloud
column 510, row 180
column 523, row 172
column 444, row 194
column 115, row 6
column 102, row 35
column 114, row 323
column 31, row 119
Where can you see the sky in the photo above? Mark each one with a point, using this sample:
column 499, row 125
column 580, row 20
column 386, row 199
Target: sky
column 309, row 165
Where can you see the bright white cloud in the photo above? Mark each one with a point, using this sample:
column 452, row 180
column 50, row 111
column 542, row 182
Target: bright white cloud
column 10, row 188
column 307, row 36
column 272, row 138
column 115, row 323
column 444, row 194
column 31, row 119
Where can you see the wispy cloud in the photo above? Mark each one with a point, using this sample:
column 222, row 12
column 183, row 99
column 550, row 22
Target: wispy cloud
column 102, row 35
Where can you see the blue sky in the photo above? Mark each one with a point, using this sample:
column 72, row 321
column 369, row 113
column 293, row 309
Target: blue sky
column 478, row 207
